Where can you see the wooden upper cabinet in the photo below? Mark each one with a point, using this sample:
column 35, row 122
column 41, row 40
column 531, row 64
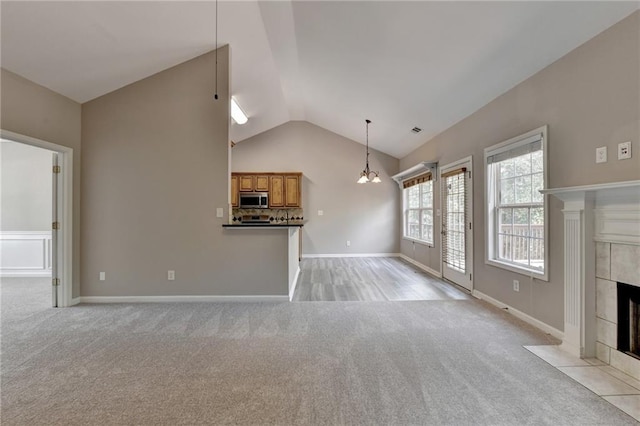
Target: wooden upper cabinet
column 276, row 191
column 246, row 183
column 262, row 183
column 284, row 188
column 292, row 190
column 234, row 191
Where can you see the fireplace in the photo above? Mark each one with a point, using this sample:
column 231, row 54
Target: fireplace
column 629, row 319
column 601, row 223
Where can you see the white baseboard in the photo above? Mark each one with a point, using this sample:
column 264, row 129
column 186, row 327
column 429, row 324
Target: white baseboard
column 422, row 266
column 521, row 315
column 309, row 256
column 292, row 290
column 75, row 301
column 163, row 299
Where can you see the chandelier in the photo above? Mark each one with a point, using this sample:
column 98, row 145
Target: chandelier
column 366, row 173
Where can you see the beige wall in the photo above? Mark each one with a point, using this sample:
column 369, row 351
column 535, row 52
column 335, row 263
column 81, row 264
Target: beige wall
column 367, row 215
column 589, row 98
column 155, row 168
column 32, row 110
column 25, row 188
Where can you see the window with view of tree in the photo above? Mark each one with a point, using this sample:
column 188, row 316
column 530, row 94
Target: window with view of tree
column 515, row 207
column 418, row 208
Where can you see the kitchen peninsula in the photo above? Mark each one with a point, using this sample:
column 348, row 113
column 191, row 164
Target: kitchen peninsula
column 267, row 217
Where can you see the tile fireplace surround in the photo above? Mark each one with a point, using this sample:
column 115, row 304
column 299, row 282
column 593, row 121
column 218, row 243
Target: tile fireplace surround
column 601, row 248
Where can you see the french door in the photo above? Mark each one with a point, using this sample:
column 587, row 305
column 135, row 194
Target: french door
column 457, row 217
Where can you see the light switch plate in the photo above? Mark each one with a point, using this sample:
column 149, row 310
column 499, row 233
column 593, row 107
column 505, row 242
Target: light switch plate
column 320, row 212
column 103, row 276
column 219, row 212
column 601, row 154
column 624, row 150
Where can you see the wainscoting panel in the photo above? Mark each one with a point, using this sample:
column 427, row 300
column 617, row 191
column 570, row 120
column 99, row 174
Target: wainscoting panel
column 25, row 254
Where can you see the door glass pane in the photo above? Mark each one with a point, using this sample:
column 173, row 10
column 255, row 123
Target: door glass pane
column 455, row 226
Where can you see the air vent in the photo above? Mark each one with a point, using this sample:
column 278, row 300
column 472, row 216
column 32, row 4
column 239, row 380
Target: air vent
column 416, row 130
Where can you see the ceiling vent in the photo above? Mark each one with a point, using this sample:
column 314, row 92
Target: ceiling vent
column 416, row 130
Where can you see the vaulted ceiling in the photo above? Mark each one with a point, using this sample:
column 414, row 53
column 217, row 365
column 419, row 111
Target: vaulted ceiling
column 334, row 64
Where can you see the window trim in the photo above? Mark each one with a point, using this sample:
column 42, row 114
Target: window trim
column 490, row 227
column 405, row 209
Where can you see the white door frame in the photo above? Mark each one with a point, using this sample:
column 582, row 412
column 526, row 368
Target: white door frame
column 65, row 212
column 468, row 163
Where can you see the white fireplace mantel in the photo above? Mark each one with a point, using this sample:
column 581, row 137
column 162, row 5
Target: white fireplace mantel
column 605, row 212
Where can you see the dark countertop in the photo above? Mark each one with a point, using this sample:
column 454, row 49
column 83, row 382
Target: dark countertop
column 262, row 225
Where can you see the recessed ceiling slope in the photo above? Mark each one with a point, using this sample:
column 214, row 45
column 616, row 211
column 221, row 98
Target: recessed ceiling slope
column 428, row 64
column 84, row 50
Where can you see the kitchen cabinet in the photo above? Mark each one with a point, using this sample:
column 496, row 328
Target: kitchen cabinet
column 292, row 190
column 234, row 191
column 276, row 191
column 284, row 188
column 246, row 183
column 262, row 183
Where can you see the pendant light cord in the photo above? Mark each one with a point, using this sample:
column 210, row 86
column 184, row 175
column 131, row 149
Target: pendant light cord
column 367, row 159
column 216, row 94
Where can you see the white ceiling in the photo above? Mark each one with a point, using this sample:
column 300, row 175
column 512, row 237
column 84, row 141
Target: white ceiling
column 334, row 64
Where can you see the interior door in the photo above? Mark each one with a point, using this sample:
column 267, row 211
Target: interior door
column 55, row 226
column 457, row 238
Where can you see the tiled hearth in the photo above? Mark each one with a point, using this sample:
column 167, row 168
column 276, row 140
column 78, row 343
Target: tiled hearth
column 611, row 384
column 614, row 263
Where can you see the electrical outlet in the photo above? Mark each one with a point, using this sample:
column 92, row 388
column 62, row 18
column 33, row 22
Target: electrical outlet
column 516, row 285
column 601, row 154
column 624, row 150
column 348, row 243
column 219, row 212
column 171, row 275
column 320, row 212
column 103, row 276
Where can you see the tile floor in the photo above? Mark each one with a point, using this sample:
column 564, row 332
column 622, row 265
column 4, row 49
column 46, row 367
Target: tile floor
column 619, row 389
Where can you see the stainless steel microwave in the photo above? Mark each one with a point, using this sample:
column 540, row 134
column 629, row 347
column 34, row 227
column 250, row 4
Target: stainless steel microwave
column 254, row 200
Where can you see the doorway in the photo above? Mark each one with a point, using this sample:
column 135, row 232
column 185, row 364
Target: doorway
column 457, row 222
column 56, row 240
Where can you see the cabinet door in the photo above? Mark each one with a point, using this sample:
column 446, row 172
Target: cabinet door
column 246, row 183
column 262, row 183
column 276, row 191
column 292, row 191
column 234, row 191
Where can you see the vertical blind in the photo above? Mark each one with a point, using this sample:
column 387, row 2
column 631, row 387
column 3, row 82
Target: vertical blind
column 454, row 241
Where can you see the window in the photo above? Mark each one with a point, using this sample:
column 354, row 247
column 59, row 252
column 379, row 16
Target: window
column 516, row 211
column 418, row 208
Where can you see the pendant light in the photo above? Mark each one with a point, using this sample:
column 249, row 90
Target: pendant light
column 364, row 175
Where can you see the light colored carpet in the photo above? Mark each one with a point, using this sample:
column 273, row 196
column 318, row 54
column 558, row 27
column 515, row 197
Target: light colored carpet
column 455, row 362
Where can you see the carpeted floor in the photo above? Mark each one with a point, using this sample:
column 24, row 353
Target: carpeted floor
column 457, row 362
